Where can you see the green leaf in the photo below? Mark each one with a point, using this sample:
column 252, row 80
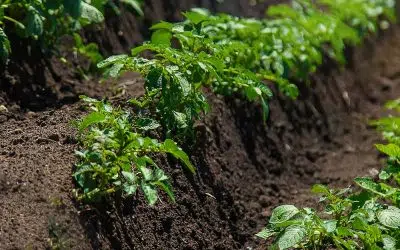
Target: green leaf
column 150, row 193
column 253, row 93
column 389, row 243
column 195, row 17
column 147, row 173
column 129, row 177
column 92, row 118
column 390, row 217
column 90, row 13
column 111, row 60
column 159, row 175
column 183, row 83
column 135, row 4
column 330, row 225
column 180, row 119
column 320, row 189
column 370, row 185
column 283, row 213
column 344, row 232
column 5, row 47
column 266, row 233
column 161, row 37
column 73, row 8
column 384, row 175
column 115, row 70
column 162, row 25
column 162, row 182
column 130, row 189
column 394, row 104
column 34, row 27
column 391, row 150
column 171, row 147
column 291, row 236
column 147, row 124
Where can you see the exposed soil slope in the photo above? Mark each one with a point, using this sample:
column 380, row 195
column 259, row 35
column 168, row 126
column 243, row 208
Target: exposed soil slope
column 245, row 168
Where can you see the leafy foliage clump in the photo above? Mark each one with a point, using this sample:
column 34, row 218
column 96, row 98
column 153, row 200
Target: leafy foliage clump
column 47, row 20
column 221, row 53
column 236, row 55
column 117, row 158
column 364, row 219
column 44, row 20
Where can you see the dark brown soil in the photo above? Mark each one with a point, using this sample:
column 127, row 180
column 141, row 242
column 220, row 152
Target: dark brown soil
column 245, row 167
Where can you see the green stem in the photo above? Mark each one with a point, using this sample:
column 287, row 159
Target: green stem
column 19, row 24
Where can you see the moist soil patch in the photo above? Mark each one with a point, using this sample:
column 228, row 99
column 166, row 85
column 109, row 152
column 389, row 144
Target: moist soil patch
column 244, row 167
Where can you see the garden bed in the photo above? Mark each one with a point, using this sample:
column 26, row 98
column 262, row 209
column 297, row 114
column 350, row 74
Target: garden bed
column 245, row 167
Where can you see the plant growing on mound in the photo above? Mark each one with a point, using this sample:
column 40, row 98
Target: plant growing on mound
column 47, row 20
column 117, row 158
column 236, row 55
column 44, row 21
column 366, row 219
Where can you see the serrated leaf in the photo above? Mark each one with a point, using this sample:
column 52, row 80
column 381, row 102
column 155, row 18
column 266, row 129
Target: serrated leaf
column 90, row 13
column 171, row 147
column 291, row 236
column 266, row 233
column 283, row 213
column 390, row 217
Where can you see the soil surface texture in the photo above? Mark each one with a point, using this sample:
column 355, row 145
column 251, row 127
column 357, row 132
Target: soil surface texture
column 245, row 167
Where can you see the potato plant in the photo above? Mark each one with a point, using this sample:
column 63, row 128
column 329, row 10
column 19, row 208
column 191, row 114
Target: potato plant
column 236, row 55
column 225, row 54
column 117, row 158
column 368, row 218
column 47, row 20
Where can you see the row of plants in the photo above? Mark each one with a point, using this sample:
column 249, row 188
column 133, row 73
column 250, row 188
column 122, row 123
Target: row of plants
column 364, row 217
column 220, row 53
column 46, row 21
column 228, row 55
